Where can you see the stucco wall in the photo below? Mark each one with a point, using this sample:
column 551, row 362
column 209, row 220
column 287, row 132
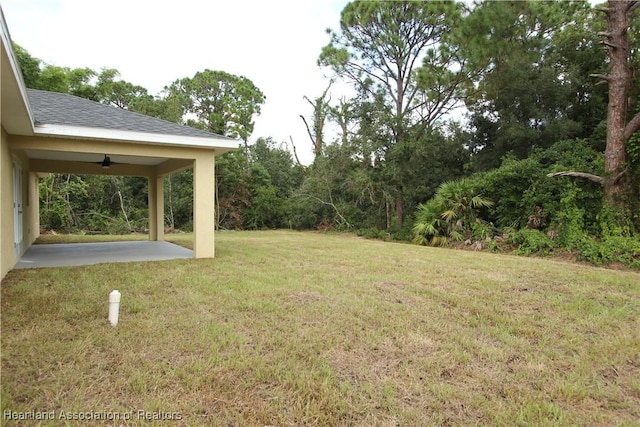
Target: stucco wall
column 30, row 205
column 7, row 254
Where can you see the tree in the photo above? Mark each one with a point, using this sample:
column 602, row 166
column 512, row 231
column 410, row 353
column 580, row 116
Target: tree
column 103, row 86
column 232, row 189
column 320, row 107
column 278, row 163
column 222, row 103
column 58, row 197
column 343, row 115
column 620, row 127
column 119, row 93
column 620, row 15
column 575, row 50
column 379, row 48
column 29, row 66
column 328, row 189
column 162, row 107
column 523, row 88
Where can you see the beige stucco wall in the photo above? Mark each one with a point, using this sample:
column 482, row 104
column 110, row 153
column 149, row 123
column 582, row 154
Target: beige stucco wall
column 7, row 256
column 30, row 205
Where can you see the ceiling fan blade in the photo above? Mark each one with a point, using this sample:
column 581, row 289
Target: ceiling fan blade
column 106, row 162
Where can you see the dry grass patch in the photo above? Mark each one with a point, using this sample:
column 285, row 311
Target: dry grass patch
column 286, row 328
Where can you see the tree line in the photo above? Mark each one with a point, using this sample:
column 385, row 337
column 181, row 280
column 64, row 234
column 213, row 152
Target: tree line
column 500, row 125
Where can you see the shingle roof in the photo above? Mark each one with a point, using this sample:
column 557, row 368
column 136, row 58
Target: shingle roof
column 55, row 108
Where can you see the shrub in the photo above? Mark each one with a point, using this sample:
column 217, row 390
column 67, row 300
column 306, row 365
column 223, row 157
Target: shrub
column 614, row 221
column 530, row 242
column 570, row 219
column 450, row 214
column 521, row 188
column 372, row 233
column 625, row 250
column 481, row 230
column 404, row 233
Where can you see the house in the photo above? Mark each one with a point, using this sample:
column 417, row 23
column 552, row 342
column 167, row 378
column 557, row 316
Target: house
column 44, row 132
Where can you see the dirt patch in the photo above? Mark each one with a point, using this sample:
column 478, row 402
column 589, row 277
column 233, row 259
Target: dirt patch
column 394, row 292
column 391, row 286
column 307, row 297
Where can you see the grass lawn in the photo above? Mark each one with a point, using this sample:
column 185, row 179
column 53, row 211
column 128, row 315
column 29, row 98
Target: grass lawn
column 286, row 328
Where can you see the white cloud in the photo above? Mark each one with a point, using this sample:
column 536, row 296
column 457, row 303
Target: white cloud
column 274, row 43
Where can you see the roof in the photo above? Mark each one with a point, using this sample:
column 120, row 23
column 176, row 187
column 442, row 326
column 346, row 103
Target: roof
column 53, row 108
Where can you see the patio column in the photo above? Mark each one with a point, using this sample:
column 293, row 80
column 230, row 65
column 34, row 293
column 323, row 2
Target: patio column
column 204, row 205
column 33, row 204
column 156, row 207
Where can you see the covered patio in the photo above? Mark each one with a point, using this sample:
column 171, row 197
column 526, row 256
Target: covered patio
column 78, row 254
column 47, row 132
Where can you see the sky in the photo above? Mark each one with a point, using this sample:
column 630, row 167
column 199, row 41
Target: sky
column 152, row 43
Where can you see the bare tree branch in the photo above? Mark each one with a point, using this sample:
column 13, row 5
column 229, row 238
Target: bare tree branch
column 632, row 127
column 295, row 152
column 313, row 141
column 320, row 109
column 329, row 203
column 618, row 177
column 595, row 178
column 116, row 182
column 591, row 177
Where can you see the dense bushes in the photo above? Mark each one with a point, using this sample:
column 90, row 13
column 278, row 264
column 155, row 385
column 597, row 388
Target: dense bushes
column 93, row 203
column 525, row 197
column 538, row 214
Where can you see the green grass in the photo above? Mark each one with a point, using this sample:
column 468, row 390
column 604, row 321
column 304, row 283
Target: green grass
column 286, row 328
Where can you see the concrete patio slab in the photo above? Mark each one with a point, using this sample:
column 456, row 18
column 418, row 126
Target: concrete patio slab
column 76, row 254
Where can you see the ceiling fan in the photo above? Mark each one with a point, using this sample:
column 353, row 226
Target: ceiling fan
column 106, row 162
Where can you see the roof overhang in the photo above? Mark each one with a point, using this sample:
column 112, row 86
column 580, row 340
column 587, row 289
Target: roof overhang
column 220, row 144
column 17, row 117
column 132, row 153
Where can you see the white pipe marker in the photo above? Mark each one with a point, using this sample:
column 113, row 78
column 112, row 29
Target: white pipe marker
column 114, row 307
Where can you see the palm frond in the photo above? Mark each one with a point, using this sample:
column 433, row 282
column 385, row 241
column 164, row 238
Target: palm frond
column 480, row 202
column 449, row 215
column 457, row 236
column 438, row 241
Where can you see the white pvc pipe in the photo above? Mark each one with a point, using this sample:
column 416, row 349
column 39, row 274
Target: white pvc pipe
column 114, row 307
